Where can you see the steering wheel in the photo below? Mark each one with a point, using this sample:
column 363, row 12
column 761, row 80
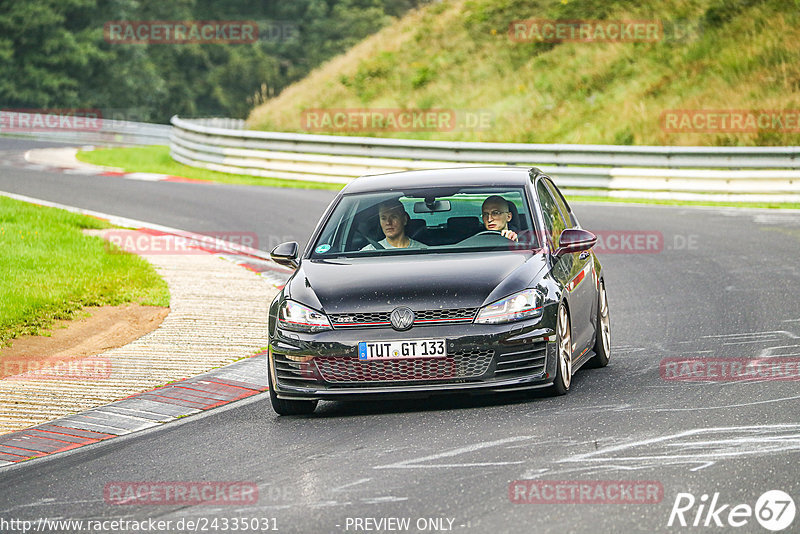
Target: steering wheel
column 487, row 232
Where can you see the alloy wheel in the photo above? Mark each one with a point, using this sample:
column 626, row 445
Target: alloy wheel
column 564, row 347
column 605, row 332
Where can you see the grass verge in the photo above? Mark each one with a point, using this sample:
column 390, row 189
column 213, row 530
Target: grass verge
column 467, row 59
column 156, row 159
column 49, row 270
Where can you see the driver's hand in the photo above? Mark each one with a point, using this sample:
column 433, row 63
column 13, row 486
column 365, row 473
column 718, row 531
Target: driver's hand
column 510, row 235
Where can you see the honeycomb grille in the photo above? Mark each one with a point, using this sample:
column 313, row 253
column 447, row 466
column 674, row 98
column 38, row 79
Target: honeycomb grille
column 381, row 319
column 465, row 364
column 345, row 320
column 442, row 316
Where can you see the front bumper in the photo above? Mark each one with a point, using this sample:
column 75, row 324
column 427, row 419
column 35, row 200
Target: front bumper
column 481, row 359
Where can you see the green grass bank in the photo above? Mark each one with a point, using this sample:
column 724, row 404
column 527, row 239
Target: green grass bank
column 49, row 270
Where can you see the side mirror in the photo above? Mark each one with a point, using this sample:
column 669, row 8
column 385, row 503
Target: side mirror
column 575, row 240
column 286, row 254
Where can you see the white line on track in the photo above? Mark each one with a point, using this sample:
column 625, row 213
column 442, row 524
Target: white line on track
column 413, row 463
column 350, row 484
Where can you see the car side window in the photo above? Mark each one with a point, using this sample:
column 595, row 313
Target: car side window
column 553, row 220
column 562, row 203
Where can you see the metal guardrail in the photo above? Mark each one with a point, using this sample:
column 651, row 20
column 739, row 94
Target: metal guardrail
column 92, row 131
column 769, row 173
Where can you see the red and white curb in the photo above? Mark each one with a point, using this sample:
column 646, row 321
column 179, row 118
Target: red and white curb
column 141, row 411
column 228, row 384
column 63, row 159
column 145, row 176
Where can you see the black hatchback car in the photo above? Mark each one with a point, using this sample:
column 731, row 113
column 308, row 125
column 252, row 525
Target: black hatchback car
column 424, row 282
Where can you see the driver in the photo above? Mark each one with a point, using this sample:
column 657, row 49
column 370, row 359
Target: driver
column 496, row 215
column 393, row 219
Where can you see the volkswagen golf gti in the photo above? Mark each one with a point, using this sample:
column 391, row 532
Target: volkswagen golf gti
column 477, row 280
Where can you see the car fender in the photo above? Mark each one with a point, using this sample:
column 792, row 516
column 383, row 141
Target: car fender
column 523, row 277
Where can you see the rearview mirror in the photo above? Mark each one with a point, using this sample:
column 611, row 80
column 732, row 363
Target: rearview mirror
column 286, row 254
column 431, row 206
column 575, row 240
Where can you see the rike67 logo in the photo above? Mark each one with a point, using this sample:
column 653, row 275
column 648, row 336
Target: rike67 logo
column 774, row 510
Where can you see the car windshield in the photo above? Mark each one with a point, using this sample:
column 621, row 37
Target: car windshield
column 425, row 221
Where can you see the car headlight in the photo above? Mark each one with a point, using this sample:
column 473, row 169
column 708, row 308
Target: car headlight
column 523, row 305
column 295, row 316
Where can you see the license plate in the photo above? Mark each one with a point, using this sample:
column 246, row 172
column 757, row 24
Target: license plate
column 397, row 350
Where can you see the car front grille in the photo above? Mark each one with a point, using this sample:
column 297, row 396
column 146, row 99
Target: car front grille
column 456, row 315
column 381, row 319
column 524, row 362
column 462, row 364
column 359, row 320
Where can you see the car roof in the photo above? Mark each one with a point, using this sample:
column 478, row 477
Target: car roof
column 449, row 177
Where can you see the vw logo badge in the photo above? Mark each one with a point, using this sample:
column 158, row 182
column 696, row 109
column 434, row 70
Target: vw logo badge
column 401, row 318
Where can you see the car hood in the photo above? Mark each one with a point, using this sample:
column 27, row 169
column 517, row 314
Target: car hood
column 429, row 281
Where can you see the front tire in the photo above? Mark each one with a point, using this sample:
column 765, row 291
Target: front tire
column 564, row 353
column 602, row 342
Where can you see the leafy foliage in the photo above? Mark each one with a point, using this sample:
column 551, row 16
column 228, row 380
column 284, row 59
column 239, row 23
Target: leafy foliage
column 53, row 53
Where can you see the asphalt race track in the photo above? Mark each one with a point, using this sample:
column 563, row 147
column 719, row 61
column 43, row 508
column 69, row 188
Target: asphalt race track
column 719, row 283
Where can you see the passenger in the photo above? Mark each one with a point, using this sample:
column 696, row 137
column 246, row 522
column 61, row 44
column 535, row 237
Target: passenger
column 496, row 214
column 393, row 219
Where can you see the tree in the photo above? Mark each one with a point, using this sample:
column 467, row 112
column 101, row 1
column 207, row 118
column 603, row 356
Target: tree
column 53, row 53
column 45, row 49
